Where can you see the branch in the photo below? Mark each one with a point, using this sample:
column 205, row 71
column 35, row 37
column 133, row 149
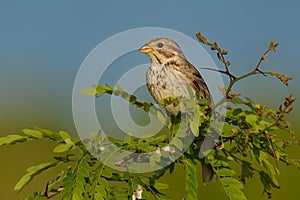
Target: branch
column 53, row 193
column 233, row 79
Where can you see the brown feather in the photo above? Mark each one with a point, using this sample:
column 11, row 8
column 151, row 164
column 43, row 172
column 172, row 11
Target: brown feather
column 169, row 75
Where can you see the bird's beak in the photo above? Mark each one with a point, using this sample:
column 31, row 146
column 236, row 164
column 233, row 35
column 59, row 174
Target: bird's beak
column 146, row 49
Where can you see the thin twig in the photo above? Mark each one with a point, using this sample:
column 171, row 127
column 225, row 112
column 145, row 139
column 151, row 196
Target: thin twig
column 272, row 149
column 221, row 71
column 54, row 193
column 256, row 70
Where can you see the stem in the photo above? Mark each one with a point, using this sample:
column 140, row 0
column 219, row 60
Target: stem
column 261, row 59
column 54, row 193
column 221, row 71
column 148, row 188
column 272, row 149
column 226, row 67
column 234, row 79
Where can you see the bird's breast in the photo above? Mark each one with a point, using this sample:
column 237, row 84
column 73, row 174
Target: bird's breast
column 165, row 82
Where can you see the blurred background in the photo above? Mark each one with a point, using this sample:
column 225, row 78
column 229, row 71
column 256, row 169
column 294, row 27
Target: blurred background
column 43, row 43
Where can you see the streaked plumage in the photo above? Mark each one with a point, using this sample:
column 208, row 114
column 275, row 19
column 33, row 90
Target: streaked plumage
column 169, row 75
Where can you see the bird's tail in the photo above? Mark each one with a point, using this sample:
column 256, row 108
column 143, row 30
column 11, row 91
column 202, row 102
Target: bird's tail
column 208, row 174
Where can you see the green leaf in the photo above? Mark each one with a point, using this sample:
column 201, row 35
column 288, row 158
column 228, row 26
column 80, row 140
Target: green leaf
column 91, row 92
column 232, row 182
column 237, row 100
column 33, row 133
column 233, row 188
column 68, row 182
column 119, row 87
column 191, row 185
column 127, row 138
column 12, row 139
column 64, row 135
column 194, row 128
column 100, row 192
column 236, row 195
column 68, row 141
column 190, row 91
column 227, row 130
column 252, row 119
column 104, row 89
column 32, row 172
column 161, row 186
column 74, row 182
column 247, row 171
column 225, row 172
column 62, row 148
column 99, row 89
column 250, row 100
column 177, row 143
column 22, row 182
column 272, row 171
column 106, row 173
column 95, row 180
column 237, row 111
column 267, row 183
column 195, row 122
column 36, row 168
column 49, row 134
column 154, row 158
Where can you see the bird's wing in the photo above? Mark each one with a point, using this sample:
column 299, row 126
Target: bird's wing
column 193, row 78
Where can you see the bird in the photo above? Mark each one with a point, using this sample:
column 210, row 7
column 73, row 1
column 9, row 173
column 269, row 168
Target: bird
column 169, row 75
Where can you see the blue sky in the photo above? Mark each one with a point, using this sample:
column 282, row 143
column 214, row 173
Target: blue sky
column 43, row 44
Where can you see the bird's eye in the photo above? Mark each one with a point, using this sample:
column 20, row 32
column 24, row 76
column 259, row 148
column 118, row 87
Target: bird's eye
column 160, row 45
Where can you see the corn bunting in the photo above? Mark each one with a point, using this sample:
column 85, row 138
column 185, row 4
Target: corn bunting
column 169, row 75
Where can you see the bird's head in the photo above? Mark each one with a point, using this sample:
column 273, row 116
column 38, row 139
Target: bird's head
column 160, row 50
